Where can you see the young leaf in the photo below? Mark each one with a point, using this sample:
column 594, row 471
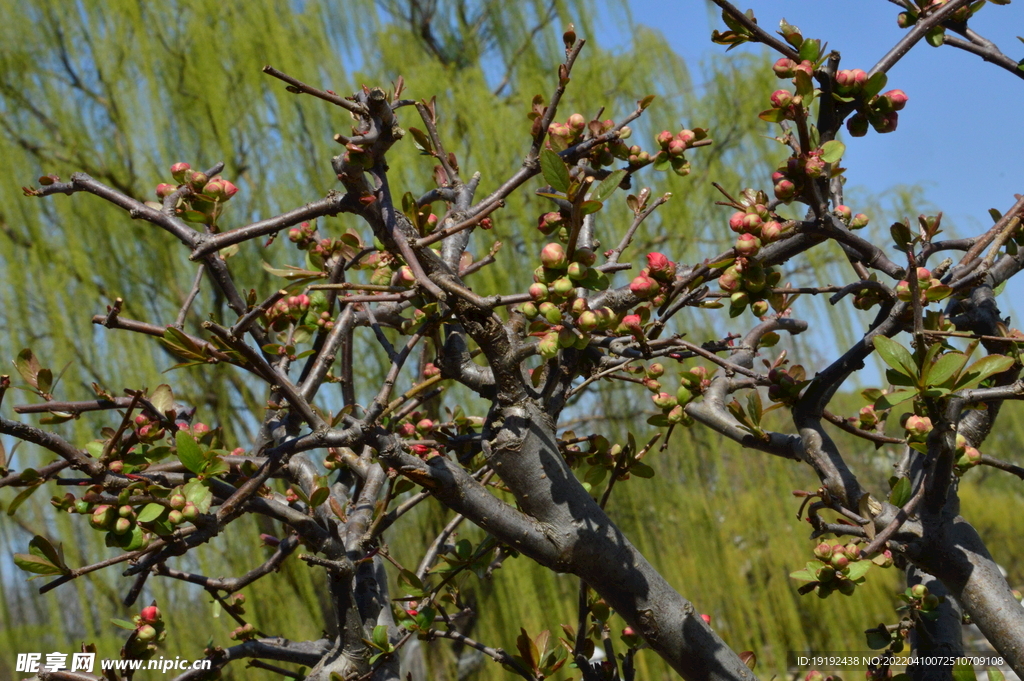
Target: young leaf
column 40, row 546
column 555, row 172
column 150, row 512
column 36, row 564
column 901, row 492
column 947, row 366
column 189, row 453
column 857, row 570
column 607, row 186
column 804, row 575
column 832, row 151
column 875, row 84
column 963, row 670
column 982, row 369
column 896, row 356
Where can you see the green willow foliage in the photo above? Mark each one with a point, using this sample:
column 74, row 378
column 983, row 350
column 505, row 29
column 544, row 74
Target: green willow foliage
column 123, row 89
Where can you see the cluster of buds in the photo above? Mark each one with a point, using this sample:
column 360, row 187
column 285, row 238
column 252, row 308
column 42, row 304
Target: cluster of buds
column 301, row 309
column 148, row 428
column 845, row 214
column 207, row 196
column 910, row 17
column 788, row 104
column 691, row 384
column 917, row 427
column 880, row 112
column 182, row 510
column 788, row 68
column 966, row 457
column 149, row 630
column 786, row 383
column 246, row 632
column 674, row 146
column 925, row 284
column 564, row 135
column 833, row 569
column 748, row 284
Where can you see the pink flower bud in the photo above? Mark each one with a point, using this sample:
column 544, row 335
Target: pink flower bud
column 644, row 287
column 751, row 223
column 859, row 220
column 918, row 425
column 664, row 137
column 178, row 171
column 770, row 231
column 553, row 256
column 549, row 222
column 163, row 190
column 845, row 214
column 784, row 67
column 784, row 190
column 781, row 99
column 729, row 281
column 676, row 148
column 198, row 180
column 632, row 324
column 663, row 401
column 150, row 614
column 923, row 275
column 661, row 268
column 897, row 99
column 577, row 122
column 706, row 618
column 805, row 66
column 686, row 136
column 588, row 321
column 736, row 221
column 747, row 245
column 539, row 292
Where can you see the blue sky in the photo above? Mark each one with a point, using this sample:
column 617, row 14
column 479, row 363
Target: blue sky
column 960, row 138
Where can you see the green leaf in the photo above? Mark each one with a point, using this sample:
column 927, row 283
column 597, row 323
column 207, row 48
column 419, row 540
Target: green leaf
column 810, row 50
column 936, row 36
column 804, row 575
column 588, row 207
column 150, row 512
column 421, row 141
column 36, row 564
column 555, row 171
column 901, row 492
column 875, row 84
column 947, row 366
column 857, row 570
column 645, row 102
column 189, row 453
column 40, row 546
column 982, row 369
column 608, row 186
column 641, row 470
column 123, row 624
column 772, row 115
column 832, row 151
column 878, row 638
column 28, row 366
column 896, row 356
column 22, row 497
column 199, row 494
column 380, row 637
column 319, row 496
column 995, row 675
column 894, row 398
column 162, row 398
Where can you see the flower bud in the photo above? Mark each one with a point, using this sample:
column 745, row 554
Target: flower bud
column 706, row 618
column 903, row 291
column 747, row 245
column 823, row 551
column 859, row 220
column 660, row 267
column 163, row 190
column 684, row 395
column 562, row 286
column 122, row 525
column 905, row 20
column 839, row 561
column 577, row 271
column 770, row 231
column 551, row 312
column 198, row 180
column 857, row 125
column 784, row 67
column 752, row 223
column 784, row 190
column 736, row 221
column 886, row 123
column 919, row 591
column 664, row 138
column 759, row 308
column 930, row 602
column 577, row 122
column 585, row 256
column 845, row 214
column 221, row 189
column 548, row 346
column 663, row 401
column 588, row 321
column 781, row 99
column 529, row 310
column 895, row 99
column 146, row 633
column 918, row 425
column 632, row 323
column 553, row 256
column 539, row 292
column 730, row 279
column 644, row 287
column 549, row 223
column 656, row 370
column 190, row 512
column 103, row 517
column 178, row 171
column 150, row 614
column 814, row 675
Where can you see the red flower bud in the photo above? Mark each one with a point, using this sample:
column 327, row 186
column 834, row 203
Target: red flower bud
column 549, row 222
column 781, row 99
column 663, row 138
column 178, row 171
column 661, row 268
column 784, row 190
column 644, row 287
column 730, row 280
column 736, row 221
column 150, row 614
column 897, row 99
column 632, row 324
column 859, row 220
column 163, row 190
column 770, row 231
column 752, row 223
column 706, row 618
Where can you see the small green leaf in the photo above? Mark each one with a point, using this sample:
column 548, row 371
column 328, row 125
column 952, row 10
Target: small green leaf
column 810, row 50
column 875, row 84
column 162, row 398
column 421, row 141
column 645, row 102
column 895, row 355
column 199, row 494
column 22, row 497
column 36, row 564
column 123, row 624
column 608, row 186
column 947, row 366
column 982, row 369
column 641, row 470
column 936, row 36
column 804, row 575
column 28, row 366
column 832, row 151
column 894, row 398
column 150, row 512
column 857, row 570
column 380, row 637
column 555, row 172
column 189, row 453
column 901, row 492
column 772, row 115
column 995, row 675
column 41, row 546
column 319, row 496
column 589, row 207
